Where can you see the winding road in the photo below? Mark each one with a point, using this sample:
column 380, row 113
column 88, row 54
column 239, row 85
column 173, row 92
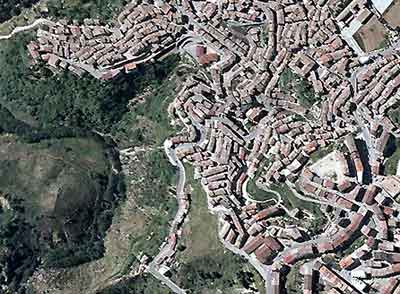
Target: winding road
column 168, row 249
column 36, row 23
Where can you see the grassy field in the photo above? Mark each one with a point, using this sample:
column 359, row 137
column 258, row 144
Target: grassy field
column 158, row 176
column 264, row 37
column 201, row 236
column 290, row 201
column 392, row 162
column 394, row 114
column 255, row 192
column 36, row 170
column 148, row 123
column 360, row 241
column 145, row 284
column 258, row 194
column 205, row 266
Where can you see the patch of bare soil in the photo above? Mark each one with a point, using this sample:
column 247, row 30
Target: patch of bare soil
column 392, row 15
column 371, row 35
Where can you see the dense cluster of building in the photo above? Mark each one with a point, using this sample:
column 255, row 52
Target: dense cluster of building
column 246, row 122
column 145, row 32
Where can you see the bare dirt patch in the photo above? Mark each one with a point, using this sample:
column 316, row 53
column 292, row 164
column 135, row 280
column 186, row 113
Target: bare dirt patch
column 372, row 35
column 392, row 14
column 329, row 167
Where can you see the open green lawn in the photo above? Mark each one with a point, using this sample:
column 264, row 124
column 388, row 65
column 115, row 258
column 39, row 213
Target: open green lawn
column 292, row 201
column 252, row 188
column 289, row 199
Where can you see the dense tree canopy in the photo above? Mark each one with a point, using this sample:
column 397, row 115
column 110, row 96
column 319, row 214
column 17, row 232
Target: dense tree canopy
column 10, row 8
column 78, row 10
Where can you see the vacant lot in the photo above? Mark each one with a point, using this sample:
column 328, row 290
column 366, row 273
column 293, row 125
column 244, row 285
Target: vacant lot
column 329, row 167
column 372, row 35
column 392, row 14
